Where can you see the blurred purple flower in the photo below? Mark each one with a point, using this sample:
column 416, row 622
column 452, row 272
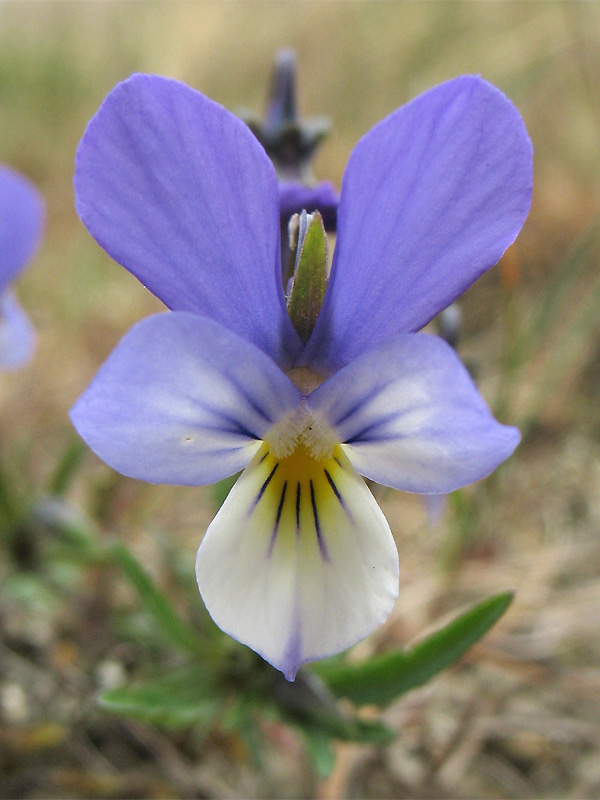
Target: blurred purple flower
column 296, row 197
column 290, row 143
column 21, row 222
column 299, row 563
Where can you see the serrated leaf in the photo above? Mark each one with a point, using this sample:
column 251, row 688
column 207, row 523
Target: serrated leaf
column 382, row 679
column 186, row 698
column 156, row 603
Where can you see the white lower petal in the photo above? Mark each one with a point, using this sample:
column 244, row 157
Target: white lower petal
column 299, row 563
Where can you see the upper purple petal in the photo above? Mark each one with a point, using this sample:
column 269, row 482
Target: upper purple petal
column 178, row 191
column 21, row 223
column 431, row 198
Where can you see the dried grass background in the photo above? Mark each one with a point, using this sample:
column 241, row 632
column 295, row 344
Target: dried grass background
column 520, row 716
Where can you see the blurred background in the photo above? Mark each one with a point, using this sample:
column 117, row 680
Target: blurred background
column 519, row 716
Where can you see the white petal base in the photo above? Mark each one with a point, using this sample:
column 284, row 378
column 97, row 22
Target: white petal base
column 299, row 563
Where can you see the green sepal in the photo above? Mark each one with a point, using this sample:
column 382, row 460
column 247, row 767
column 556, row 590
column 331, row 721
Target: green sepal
column 310, row 274
column 382, row 679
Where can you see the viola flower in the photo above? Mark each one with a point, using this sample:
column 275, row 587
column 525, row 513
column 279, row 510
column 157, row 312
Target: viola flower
column 21, row 221
column 299, row 562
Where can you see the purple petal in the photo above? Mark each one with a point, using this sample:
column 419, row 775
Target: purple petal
column 431, row 198
column 178, row 191
column 17, row 336
column 21, row 222
column 182, row 400
column 410, row 417
column 296, row 197
column 435, row 505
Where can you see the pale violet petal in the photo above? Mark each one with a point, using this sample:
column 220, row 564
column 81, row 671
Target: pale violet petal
column 177, row 189
column 410, row 417
column 431, row 197
column 182, row 400
column 17, row 336
column 435, row 506
column 21, row 223
column 299, row 563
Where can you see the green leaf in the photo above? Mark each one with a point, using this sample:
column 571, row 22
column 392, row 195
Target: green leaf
column 240, row 718
column 156, row 604
column 67, row 467
column 221, row 489
column 14, row 499
column 252, row 736
column 186, row 698
column 76, row 535
column 309, row 704
column 368, row 732
column 382, row 679
column 319, row 750
column 310, row 275
column 346, row 727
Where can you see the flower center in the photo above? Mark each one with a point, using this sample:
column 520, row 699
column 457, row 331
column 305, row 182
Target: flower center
column 303, row 434
column 302, row 431
column 305, row 379
column 298, row 495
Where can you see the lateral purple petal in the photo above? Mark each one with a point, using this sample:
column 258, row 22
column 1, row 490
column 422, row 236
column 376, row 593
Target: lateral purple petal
column 431, row 198
column 21, row 222
column 178, row 191
column 182, row 400
column 410, row 417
